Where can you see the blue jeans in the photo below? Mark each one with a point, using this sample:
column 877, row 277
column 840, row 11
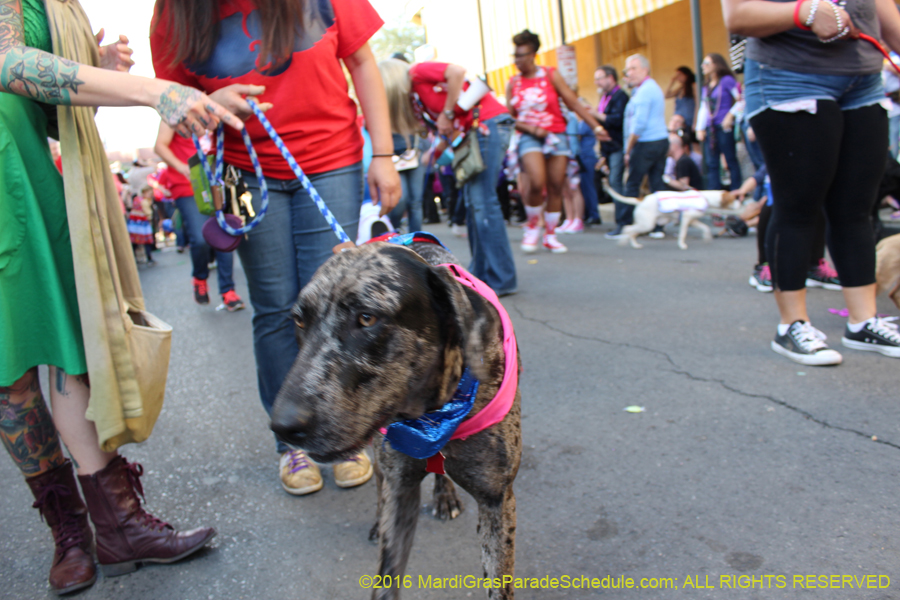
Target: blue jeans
column 894, row 135
column 753, row 148
column 721, row 143
column 492, row 260
column 616, row 164
column 280, row 256
column 766, row 86
column 587, row 162
column 201, row 253
column 647, row 159
column 412, row 182
column 169, row 210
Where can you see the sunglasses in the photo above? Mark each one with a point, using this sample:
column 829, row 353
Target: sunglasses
column 517, row 55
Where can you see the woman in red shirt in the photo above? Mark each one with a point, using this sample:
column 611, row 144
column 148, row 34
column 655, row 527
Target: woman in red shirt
column 294, row 52
column 533, row 98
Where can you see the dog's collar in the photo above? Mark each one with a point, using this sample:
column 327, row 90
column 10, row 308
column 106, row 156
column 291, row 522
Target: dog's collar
column 424, row 437
column 407, row 239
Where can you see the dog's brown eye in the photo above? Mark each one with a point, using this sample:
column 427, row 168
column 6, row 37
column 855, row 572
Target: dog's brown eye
column 300, row 322
column 367, row 320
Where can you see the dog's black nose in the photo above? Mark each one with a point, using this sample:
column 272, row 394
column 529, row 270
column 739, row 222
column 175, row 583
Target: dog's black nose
column 290, row 422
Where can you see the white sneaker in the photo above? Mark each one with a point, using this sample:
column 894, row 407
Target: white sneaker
column 564, row 227
column 554, row 245
column 576, row 226
column 531, row 237
column 460, row 231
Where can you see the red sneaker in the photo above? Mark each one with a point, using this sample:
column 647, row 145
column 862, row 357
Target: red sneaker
column 201, row 291
column 232, row 301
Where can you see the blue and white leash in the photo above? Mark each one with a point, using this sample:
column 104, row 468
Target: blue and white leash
column 263, row 189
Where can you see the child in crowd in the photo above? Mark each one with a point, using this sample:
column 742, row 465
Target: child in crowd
column 140, row 228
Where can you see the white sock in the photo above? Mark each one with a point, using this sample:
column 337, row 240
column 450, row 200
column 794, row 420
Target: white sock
column 533, row 213
column 857, row 327
column 782, row 328
column 551, row 219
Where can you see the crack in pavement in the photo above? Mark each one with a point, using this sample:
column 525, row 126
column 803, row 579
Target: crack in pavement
column 678, row 371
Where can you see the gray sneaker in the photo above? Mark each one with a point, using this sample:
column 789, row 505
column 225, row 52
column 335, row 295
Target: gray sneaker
column 878, row 335
column 806, row 345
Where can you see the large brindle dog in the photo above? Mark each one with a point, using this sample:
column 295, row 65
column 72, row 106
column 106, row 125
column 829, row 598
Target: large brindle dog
column 384, row 336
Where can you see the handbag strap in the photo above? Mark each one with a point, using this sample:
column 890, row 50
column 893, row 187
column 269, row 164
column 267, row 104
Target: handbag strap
column 475, row 113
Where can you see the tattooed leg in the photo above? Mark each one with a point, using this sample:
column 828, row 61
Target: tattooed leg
column 26, row 427
column 69, row 396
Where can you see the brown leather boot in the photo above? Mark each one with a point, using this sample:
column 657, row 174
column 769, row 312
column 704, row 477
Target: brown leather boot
column 127, row 534
column 56, row 496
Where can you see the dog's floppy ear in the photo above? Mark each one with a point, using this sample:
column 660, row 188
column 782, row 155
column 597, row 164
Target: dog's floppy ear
column 465, row 320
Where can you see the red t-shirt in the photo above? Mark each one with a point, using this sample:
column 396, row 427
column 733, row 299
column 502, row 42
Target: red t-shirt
column 156, row 177
column 312, row 111
column 429, row 83
column 172, row 180
column 536, row 100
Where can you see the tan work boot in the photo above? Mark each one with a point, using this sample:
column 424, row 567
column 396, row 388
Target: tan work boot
column 353, row 472
column 299, row 475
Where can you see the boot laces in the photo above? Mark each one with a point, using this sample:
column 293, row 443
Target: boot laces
column 133, row 472
column 69, row 531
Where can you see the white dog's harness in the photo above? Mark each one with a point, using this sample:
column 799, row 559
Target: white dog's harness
column 681, row 201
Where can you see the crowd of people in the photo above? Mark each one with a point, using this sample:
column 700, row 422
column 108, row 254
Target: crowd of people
column 542, row 153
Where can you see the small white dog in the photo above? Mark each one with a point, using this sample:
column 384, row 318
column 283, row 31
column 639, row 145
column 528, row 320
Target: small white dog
column 659, row 206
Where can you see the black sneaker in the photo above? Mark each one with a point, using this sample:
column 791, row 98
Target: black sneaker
column 762, row 278
column 806, row 345
column 615, row 233
column 878, row 335
column 658, row 233
column 823, row 276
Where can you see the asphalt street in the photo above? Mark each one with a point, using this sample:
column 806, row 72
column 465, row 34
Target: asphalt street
column 742, row 463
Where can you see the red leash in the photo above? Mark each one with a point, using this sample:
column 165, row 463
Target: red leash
column 862, row 36
column 881, row 49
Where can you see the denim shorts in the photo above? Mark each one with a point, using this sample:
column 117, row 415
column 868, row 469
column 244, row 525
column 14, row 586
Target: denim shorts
column 765, row 87
column 529, row 143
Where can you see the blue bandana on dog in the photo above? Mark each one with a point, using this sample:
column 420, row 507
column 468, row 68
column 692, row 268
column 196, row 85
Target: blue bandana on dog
column 424, row 437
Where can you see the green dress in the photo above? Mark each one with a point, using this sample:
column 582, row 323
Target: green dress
column 39, row 322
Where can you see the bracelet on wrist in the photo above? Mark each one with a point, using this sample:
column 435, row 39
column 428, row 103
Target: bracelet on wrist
column 813, row 8
column 797, row 22
column 382, row 155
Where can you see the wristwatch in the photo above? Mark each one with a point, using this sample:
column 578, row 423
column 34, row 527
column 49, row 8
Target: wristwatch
column 449, row 114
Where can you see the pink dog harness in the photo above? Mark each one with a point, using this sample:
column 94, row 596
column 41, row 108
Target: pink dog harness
column 497, row 409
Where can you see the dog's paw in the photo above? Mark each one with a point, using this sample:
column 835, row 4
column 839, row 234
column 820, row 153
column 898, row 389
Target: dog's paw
column 373, row 533
column 446, row 504
column 682, row 246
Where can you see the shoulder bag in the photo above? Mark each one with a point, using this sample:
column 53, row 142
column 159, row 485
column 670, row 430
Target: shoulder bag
column 467, row 161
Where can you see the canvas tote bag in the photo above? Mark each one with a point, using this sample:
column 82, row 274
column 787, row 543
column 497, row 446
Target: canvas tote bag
column 127, row 348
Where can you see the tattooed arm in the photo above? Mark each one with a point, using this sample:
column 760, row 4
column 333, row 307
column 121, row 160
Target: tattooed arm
column 47, row 78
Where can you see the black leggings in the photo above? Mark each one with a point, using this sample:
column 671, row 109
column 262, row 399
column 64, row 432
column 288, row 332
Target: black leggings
column 818, row 246
column 833, row 159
